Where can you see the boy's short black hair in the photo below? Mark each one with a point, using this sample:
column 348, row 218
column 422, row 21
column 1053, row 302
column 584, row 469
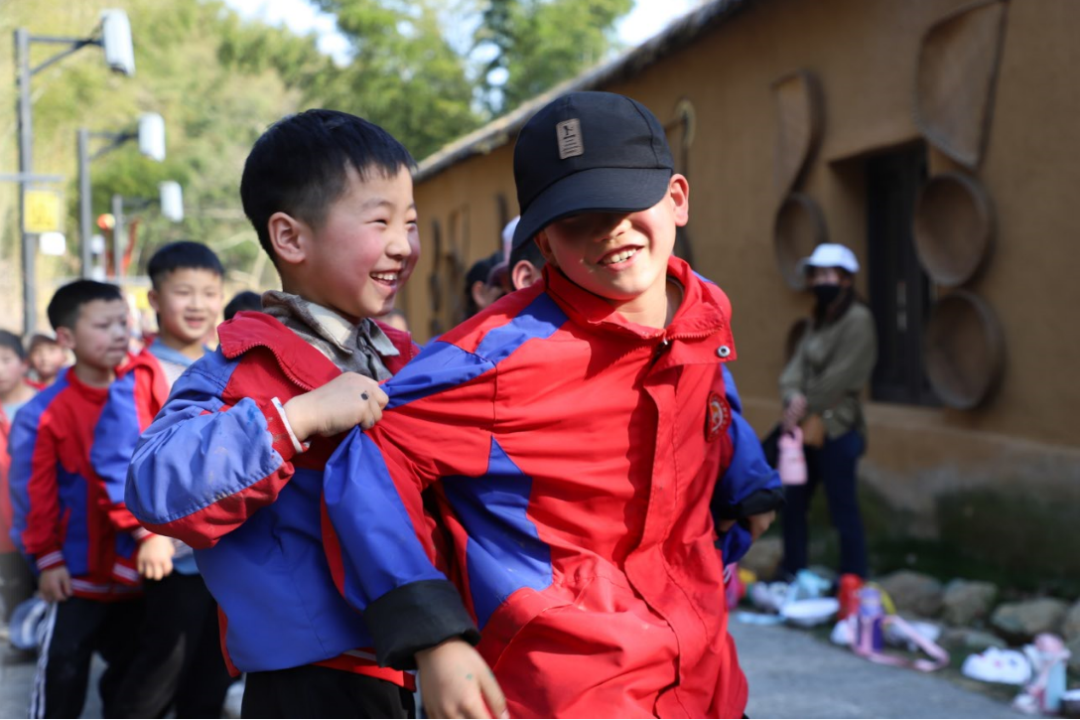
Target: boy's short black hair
column 245, row 300
column 299, row 164
column 67, row 301
column 527, row 250
column 182, row 255
column 12, row 342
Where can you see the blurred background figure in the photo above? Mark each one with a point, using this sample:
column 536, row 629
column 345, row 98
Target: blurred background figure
column 47, row 359
column 244, row 300
column 478, row 292
column 820, row 390
column 16, row 580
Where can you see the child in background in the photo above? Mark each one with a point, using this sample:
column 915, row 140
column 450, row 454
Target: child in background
column 47, row 359
column 245, row 300
column 63, row 521
column 249, row 427
column 178, row 664
column 15, row 576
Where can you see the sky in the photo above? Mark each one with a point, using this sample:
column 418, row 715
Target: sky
column 646, row 19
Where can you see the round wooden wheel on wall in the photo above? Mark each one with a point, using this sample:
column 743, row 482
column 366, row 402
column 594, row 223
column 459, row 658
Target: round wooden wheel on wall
column 799, row 228
column 954, row 228
column 965, row 350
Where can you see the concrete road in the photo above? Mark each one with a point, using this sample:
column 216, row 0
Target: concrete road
column 791, row 674
column 794, row 675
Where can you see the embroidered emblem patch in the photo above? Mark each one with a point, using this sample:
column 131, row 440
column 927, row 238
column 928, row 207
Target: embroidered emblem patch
column 570, row 141
column 717, row 417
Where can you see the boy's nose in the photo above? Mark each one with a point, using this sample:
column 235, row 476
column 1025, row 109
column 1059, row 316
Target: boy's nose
column 399, row 246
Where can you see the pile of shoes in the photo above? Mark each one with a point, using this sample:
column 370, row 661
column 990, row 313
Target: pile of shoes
column 1040, row 668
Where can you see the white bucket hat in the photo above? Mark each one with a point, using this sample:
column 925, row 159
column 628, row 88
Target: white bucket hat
column 829, row 255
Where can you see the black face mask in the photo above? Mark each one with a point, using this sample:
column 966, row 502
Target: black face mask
column 826, row 295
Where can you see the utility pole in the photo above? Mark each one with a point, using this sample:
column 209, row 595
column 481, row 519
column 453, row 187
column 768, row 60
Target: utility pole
column 26, row 167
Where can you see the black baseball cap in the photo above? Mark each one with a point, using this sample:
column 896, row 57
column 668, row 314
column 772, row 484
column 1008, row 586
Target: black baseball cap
column 588, row 152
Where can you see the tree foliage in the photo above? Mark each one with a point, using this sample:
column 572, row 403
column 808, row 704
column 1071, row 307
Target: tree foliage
column 535, row 44
column 420, row 68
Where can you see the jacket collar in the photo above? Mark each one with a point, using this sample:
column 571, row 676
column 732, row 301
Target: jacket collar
column 301, row 363
column 701, row 324
column 327, row 324
column 161, row 351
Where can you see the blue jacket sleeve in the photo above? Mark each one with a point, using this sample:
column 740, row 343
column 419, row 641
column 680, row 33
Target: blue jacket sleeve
column 115, row 436
column 749, row 485
column 384, row 568
column 438, row 425
column 203, row 467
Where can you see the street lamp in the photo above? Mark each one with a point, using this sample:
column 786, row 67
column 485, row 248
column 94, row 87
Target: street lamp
column 114, row 36
column 150, row 133
column 171, row 200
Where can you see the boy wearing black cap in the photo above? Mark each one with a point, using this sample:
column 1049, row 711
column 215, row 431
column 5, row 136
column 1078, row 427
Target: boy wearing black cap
column 572, row 433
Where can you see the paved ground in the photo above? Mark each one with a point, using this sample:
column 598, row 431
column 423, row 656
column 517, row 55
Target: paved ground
column 792, row 675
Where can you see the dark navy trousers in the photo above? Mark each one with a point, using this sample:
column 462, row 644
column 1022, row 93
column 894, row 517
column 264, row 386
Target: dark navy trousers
column 834, row 466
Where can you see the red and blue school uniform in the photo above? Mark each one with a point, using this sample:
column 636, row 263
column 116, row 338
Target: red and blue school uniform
column 574, row 455
column 220, row 470
column 63, row 516
column 18, row 581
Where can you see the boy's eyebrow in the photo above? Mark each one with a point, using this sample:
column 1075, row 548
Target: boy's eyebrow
column 377, row 202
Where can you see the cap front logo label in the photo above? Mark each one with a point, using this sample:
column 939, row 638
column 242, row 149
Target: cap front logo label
column 570, row 143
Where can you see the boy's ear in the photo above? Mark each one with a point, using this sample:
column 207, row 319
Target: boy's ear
column 287, row 237
column 65, row 338
column 524, row 275
column 679, row 193
column 154, row 298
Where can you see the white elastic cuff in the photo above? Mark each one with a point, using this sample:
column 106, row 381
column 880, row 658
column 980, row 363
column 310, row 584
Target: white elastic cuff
column 298, row 446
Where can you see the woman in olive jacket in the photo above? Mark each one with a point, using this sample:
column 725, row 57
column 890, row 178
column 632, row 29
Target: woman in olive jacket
column 820, row 389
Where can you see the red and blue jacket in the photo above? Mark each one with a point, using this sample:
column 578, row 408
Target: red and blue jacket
column 135, row 398
column 574, row 456
column 62, row 514
column 6, row 543
column 218, row 469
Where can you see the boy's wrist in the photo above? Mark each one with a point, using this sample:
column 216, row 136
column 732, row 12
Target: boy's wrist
column 294, row 420
column 49, row 560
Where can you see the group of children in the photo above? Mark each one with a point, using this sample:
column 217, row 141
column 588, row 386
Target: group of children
column 68, row 434
column 534, row 510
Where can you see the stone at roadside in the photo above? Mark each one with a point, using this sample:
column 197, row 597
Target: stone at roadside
column 1071, row 629
column 914, row 593
column 1020, row 622
column 764, row 558
column 967, row 602
column 967, row 641
column 1074, row 661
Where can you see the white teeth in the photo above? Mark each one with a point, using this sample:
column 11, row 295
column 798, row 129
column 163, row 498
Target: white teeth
column 619, row 257
column 388, row 277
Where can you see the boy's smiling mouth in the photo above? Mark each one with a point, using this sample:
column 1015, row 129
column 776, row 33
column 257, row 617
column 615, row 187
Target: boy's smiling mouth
column 386, row 277
column 618, row 256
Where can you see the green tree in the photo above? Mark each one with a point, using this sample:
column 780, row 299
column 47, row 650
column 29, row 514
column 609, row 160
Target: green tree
column 405, row 75
column 533, row 45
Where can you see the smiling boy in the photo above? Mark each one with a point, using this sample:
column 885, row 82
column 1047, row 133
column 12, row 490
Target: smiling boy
column 574, row 433
column 233, row 463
